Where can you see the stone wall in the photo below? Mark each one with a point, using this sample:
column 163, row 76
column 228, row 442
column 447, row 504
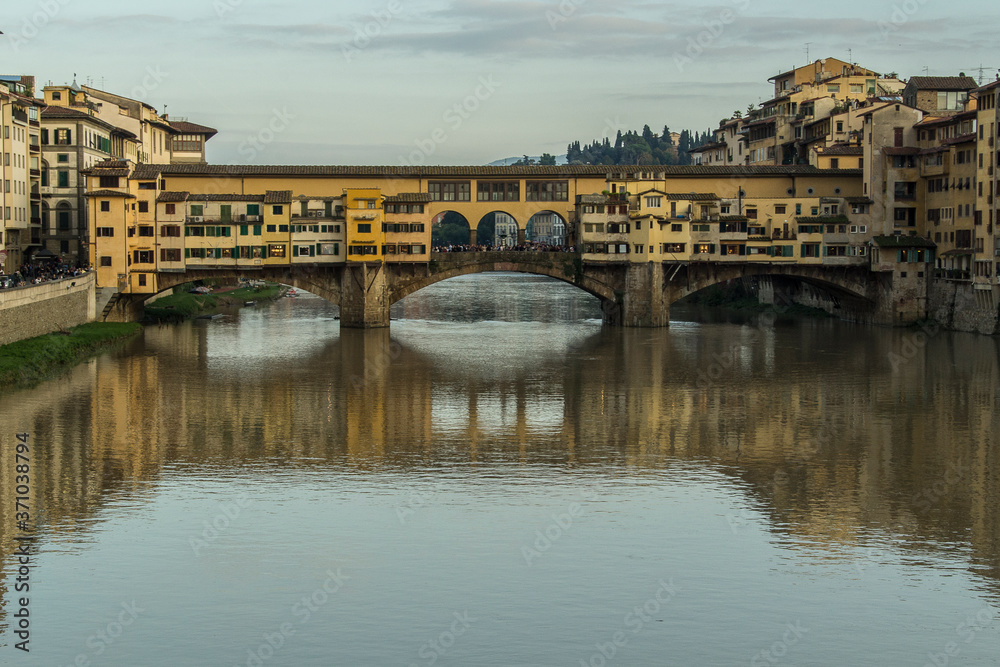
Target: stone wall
column 32, row 311
column 961, row 307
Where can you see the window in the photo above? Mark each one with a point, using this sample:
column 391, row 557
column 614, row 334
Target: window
column 780, row 209
column 170, row 255
column 105, row 206
column 170, row 209
column 276, row 250
column 142, row 256
column 654, row 202
column 548, row 191
column 62, row 178
column 147, row 186
column 271, row 229
column 62, row 157
column 146, row 230
column 170, row 230
column 197, row 210
column 453, row 191
column 679, row 227
column 187, row 143
column 277, row 210
column 498, row 191
column 834, row 163
column 364, row 228
column 64, row 137
column 144, row 207
column 105, row 261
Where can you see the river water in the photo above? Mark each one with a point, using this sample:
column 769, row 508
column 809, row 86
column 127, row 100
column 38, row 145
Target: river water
column 498, row 480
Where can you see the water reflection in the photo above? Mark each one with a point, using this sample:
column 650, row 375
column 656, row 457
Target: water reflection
column 841, row 441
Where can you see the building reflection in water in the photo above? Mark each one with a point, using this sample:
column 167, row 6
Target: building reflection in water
column 836, row 441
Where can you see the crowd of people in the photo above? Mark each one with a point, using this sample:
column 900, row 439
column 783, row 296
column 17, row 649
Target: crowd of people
column 525, row 247
column 38, row 273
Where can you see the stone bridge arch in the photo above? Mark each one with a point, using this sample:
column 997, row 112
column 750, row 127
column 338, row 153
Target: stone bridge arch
column 565, row 267
column 854, row 291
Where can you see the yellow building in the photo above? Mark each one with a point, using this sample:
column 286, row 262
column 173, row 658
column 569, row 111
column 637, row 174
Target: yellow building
column 20, row 196
column 986, row 246
column 365, row 232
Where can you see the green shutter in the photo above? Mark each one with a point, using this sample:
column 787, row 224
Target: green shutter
column 256, row 230
column 187, row 252
column 295, row 251
column 244, row 229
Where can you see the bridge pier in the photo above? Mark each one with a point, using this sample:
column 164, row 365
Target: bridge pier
column 643, row 302
column 364, row 296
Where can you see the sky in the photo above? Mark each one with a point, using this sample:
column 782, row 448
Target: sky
column 467, row 82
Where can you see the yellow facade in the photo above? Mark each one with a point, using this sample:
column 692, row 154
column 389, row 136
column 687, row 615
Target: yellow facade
column 230, row 218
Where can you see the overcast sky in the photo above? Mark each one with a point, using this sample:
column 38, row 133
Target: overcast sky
column 467, row 81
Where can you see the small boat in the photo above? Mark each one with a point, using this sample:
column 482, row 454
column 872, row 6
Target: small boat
column 249, row 303
column 210, row 317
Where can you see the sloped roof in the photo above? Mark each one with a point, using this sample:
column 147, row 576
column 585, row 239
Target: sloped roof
column 278, row 197
column 942, row 83
column 185, row 127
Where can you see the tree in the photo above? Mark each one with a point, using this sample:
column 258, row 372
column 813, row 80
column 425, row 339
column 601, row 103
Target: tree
column 666, row 139
column 547, row 159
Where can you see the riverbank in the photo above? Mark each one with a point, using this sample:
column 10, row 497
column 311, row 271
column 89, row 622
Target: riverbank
column 183, row 305
column 34, row 359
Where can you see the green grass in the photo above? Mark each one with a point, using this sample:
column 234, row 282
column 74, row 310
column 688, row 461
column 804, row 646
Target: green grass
column 34, row 359
column 182, row 305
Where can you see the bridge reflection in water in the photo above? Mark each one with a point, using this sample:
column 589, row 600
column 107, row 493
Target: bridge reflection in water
column 832, row 439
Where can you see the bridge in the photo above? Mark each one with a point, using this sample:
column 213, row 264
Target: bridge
column 631, row 294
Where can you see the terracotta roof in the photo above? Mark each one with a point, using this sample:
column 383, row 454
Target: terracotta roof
column 945, row 120
column 278, row 197
column 692, row 196
column 903, row 242
column 172, row 197
column 900, row 150
column 67, row 112
column 859, row 200
column 222, row 197
column 109, row 193
column 185, row 127
column 152, row 171
column 942, row 83
column 963, row 139
column 843, row 149
column 732, row 218
column 709, row 147
column 409, row 198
